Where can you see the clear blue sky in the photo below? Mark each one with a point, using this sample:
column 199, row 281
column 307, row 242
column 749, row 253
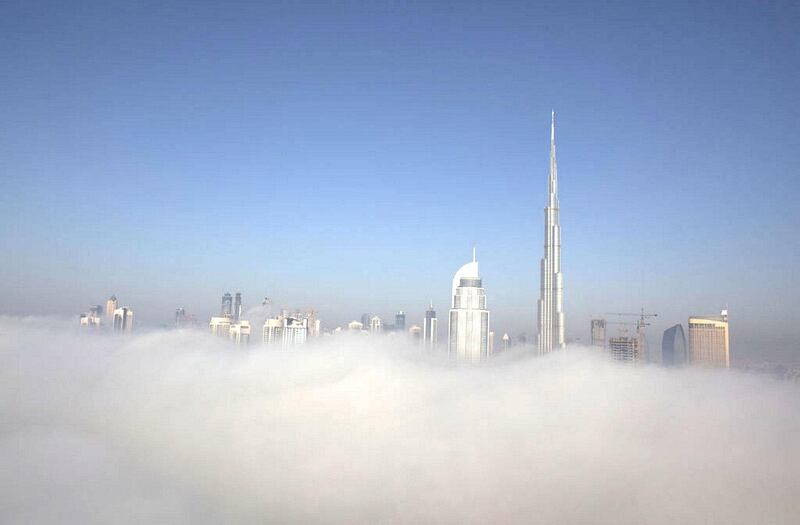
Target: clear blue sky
column 348, row 156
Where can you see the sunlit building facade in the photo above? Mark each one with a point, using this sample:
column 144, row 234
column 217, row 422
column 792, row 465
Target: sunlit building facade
column 123, row 320
column 468, row 333
column 709, row 343
column 551, row 282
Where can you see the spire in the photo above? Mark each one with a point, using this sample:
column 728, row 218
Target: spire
column 553, row 178
column 473, row 254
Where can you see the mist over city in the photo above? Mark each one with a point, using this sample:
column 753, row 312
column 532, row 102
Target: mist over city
column 398, row 262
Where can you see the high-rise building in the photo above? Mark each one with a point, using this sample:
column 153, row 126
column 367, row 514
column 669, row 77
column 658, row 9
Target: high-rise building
column 673, row 347
column 468, row 333
column 237, row 307
column 375, row 324
column 123, row 319
column 400, row 321
column 551, row 285
column 599, row 333
column 365, row 320
column 180, row 318
column 227, row 305
column 625, row 348
column 430, row 329
column 220, row 326
column 506, row 342
column 285, row 332
column 240, row 332
column 93, row 318
column 415, row 333
column 490, row 350
column 111, row 307
column 709, row 343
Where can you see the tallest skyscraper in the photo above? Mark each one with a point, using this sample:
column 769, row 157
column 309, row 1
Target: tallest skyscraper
column 551, row 288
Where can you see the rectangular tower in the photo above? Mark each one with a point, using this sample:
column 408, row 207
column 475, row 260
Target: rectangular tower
column 709, row 344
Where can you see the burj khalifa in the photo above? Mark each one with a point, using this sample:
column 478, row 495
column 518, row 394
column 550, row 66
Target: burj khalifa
column 551, row 288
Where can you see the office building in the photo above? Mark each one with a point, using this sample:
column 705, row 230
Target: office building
column 400, row 321
column 430, row 329
column 227, row 306
column 111, row 307
column 123, row 320
column 673, row 347
column 375, row 325
column 220, row 326
column 237, row 307
column 240, row 332
column 598, row 333
column 415, row 334
column 551, row 281
column 709, row 343
column 468, row 331
column 285, row 332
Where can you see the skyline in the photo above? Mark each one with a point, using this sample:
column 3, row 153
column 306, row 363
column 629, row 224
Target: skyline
column 246, row 161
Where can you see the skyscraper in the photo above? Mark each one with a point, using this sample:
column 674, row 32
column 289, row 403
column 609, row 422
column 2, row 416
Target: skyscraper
column 285, row 332
column 111, row 306
column 240, row 332
column 673, row 346
column 400, row 321
column 469, row 318
column 599, row 333
column 237, row 307
column 551, row 291
column 709, row 344
column 430, row 329
column 376, row 325
column 227, row 305
column 123, row 320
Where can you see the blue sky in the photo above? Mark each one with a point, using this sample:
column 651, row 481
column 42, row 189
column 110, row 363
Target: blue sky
column 348, row 156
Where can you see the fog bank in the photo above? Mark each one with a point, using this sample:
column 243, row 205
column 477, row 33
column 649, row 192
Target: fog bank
column 178, row 427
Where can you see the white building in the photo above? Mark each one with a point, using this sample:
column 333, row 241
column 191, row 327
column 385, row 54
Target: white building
column 123, row 319
column 285, row 332
column 469, row 318
column 376, row 325
column 430, row 329
column 240, row 332
column 220, row 326
column 551, row 282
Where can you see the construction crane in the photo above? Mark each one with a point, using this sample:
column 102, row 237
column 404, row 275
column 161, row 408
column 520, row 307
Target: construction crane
column 640, row 324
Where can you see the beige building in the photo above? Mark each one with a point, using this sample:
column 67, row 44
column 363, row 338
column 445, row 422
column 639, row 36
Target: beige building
column 111, row 307
column 709, row 344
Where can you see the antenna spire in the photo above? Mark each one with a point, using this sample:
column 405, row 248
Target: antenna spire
column 473, row 254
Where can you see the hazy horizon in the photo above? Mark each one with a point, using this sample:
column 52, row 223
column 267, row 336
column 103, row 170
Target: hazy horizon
column 316, row 155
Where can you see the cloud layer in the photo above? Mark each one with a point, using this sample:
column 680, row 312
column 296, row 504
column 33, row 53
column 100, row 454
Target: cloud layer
column 178, row 427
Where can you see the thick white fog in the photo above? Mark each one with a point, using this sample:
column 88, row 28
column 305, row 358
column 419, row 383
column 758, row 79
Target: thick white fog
column 176, row 427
